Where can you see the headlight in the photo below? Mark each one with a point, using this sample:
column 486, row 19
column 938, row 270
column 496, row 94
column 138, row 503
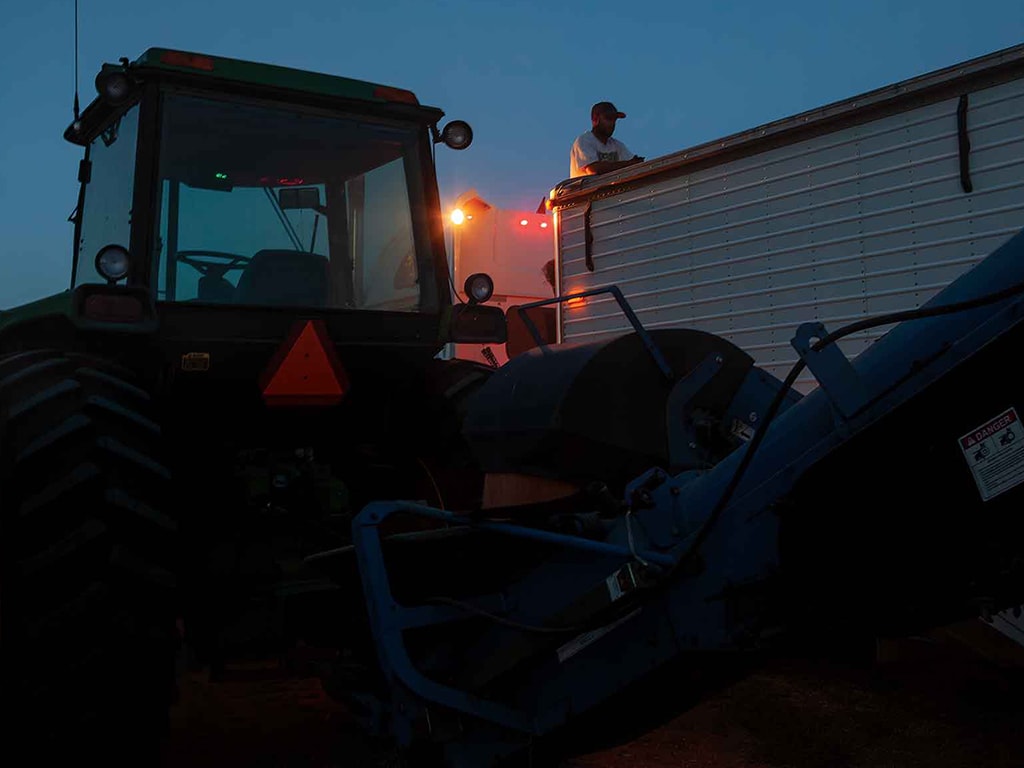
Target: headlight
column 457, row 134
column 479, row 287
column 114, row 87
column 113, row 262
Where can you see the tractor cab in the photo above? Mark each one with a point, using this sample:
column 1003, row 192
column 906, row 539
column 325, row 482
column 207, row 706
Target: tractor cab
column 239, row 204
column 210, row 182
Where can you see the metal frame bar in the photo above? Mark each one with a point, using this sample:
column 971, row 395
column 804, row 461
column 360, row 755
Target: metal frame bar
column 836, row 375
column 389, row 619
column 627, row 310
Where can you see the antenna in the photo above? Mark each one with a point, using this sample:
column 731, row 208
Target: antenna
column 76, row 62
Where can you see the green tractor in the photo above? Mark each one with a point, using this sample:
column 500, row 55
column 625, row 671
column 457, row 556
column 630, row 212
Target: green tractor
column 251, row 350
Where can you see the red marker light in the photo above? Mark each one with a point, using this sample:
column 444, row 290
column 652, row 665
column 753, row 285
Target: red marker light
column 523, row 222
column 113, row 308
column 190, row 60
column 395, row 94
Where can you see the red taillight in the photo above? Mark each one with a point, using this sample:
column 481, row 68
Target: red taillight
column 395, row 94
column 109, row 308
column 190, row 60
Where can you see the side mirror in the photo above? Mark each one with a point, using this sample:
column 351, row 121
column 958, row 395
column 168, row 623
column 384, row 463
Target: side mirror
column 477, row 324
column 544, row 319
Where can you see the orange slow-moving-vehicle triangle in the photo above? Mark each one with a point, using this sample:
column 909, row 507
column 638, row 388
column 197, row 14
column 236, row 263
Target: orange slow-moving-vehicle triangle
column 306, row 370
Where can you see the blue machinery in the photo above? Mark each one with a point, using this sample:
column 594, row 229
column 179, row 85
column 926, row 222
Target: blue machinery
column 887, row 500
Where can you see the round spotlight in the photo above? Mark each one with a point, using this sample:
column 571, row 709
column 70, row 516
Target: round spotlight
column 479, row 287
column 457, row 134
column 458, row 216
column 113, row 262
column 115, row 87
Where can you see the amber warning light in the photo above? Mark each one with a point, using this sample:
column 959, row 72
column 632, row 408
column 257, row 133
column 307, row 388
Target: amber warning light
column 576, row 303
column 305, row 371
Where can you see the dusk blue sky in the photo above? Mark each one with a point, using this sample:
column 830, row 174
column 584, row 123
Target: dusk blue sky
column 522, row 73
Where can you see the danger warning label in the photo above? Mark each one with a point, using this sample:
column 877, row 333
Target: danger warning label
column 995, row 454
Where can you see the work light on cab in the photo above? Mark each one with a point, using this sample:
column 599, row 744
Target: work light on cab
column 114, row 87
column 479, row 287
column 457, row 134
column 113, row 262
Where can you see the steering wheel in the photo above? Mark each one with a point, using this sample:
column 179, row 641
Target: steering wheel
column 206, row 268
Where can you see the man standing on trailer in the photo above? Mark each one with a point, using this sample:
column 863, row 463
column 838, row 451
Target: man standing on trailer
column 596, row 151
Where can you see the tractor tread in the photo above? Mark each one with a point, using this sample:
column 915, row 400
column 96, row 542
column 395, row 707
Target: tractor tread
column 89, row 559
column 17, row 360
column 123, row 500
column 120, row 384
column 121, row 451
column 108, row 405
column 44, row 398
column 88, row 533
column 127, row 560
column 14, row 378
column 69, row 613
column 56, row 490
column 49, row 439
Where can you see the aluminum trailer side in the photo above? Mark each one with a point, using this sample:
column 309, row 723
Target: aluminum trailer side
column 865, row 206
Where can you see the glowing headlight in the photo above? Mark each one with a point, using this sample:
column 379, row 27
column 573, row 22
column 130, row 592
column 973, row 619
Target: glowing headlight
column 112, row 262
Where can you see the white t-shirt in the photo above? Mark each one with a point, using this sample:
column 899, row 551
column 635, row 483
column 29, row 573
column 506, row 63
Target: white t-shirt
column 589, row 149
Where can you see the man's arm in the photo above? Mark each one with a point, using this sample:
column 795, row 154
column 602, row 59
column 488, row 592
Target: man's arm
column 605, row 166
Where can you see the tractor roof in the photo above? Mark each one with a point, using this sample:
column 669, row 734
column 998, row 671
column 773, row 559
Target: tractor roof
column 199, row 67
column 271, row 75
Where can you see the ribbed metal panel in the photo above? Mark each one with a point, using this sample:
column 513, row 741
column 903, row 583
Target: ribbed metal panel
column 867, row 219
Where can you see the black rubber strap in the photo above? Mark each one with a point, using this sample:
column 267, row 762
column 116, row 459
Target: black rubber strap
column 965, row 145
column 588, row 238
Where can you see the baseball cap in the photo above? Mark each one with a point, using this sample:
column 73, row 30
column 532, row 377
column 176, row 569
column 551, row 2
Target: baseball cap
column 604, row 107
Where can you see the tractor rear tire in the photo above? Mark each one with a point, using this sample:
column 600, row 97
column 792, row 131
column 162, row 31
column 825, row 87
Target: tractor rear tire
column 87, row 596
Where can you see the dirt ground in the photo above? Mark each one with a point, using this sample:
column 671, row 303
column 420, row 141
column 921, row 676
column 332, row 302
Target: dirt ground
column 951, row 700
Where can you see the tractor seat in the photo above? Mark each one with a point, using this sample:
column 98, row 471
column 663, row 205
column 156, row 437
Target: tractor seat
column 215, row 288
column 284, row 278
